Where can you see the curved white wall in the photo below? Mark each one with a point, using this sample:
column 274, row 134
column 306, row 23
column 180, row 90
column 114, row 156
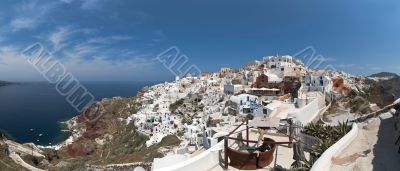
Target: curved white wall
column 325, row 161
column 201, row 162
column 311, row 111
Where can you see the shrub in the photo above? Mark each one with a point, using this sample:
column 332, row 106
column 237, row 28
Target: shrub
column 328, row 135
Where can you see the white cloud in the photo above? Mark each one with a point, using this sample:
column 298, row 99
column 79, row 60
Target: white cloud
column 83, row 50
column 58, row 37
column 98, row 40
column 94, row 58
column 66, row 1
column 64, row 40
column 15, row 67
column 86, row 4
column 30, row 14
column 324, row 59
column 101, row 67
column 80, row 50
column 120, row 38
column 91, row 4
column 62, row 37
column 346, row 65
column 23, row 23
column 108, row 39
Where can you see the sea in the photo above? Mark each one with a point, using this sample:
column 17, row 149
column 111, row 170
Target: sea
column 34, row 111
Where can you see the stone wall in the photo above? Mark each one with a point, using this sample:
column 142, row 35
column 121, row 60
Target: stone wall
column 120, row 167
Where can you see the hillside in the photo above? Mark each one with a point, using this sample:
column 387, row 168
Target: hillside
column 392, row 85
column 109, row 140
column 390, row 82
column 4, row 83
column 5, row 162
column 384, row 74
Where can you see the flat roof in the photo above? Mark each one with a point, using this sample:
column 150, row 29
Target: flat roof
column 264, row 122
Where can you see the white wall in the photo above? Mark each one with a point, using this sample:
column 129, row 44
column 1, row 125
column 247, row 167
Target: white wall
column 325, row 161
column 315, row 85
column 201, row 162
column 309, row 112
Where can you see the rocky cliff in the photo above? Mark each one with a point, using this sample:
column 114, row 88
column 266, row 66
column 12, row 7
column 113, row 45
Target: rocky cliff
column 109, row 139
column 373, row 92
column 384, row 88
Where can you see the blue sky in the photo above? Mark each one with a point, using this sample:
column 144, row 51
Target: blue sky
column 116, row 40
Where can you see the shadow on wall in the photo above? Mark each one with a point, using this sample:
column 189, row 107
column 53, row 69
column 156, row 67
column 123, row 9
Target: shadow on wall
column 385, row 151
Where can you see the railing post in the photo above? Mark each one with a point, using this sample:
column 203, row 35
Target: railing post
column 247, row 131
column 276, row 155
column 226, row 153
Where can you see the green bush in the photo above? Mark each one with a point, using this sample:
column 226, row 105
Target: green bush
column 328, row 135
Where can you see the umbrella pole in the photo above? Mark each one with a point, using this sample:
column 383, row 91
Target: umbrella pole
column 276, row 156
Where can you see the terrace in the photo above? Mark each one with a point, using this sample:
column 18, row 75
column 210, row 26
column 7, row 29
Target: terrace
column 241, row 153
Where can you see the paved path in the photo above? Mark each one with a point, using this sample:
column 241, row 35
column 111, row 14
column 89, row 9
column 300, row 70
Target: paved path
column 17, row 159
column 15, row 148
column 23, row 149
column 373, row 148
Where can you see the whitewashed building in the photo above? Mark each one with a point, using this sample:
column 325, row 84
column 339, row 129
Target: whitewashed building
column 247, row 104
column 232, row 89
column 320, row 83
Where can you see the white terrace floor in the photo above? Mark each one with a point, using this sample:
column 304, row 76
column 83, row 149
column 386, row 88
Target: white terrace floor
column 284, row 157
